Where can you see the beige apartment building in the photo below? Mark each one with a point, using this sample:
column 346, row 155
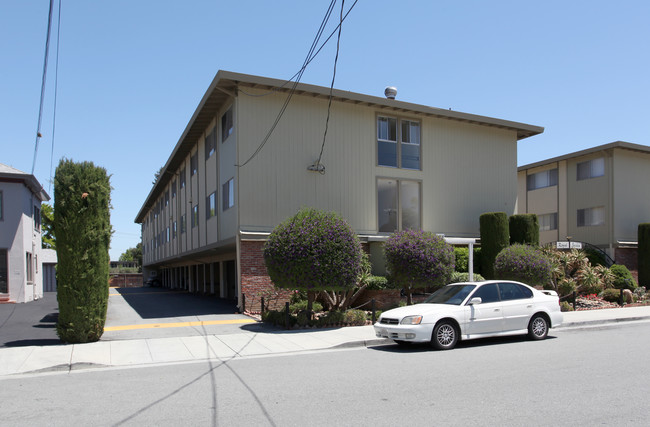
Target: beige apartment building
column 598, row 196
column 248, row 159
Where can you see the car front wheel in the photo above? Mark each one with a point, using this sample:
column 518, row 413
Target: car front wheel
column 445, row 336
column 538, row 327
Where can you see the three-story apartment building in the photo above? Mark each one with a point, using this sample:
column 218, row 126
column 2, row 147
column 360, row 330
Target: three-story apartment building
column 248, row 159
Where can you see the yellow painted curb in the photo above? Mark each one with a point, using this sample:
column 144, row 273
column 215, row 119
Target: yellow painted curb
column 178, row 324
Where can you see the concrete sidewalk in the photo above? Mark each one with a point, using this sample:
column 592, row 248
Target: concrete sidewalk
column 248, row 342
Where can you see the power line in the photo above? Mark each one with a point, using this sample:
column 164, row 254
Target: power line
column 56, row 90
column 310, row 57
column 40, row 109
column 319, row 34
column 321, row 168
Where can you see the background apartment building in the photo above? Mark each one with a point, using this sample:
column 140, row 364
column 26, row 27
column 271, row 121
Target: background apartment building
column 21, row 260
column 386, row 165
column 598, row 196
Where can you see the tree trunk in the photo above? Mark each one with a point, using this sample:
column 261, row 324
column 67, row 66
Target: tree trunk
column 311, row 296
column 409, row 296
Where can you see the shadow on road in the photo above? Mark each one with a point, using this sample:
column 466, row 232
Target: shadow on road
column 158, row 303
column 424, row 347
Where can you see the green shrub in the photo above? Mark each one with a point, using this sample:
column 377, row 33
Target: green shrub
column 565, row 306
column 566, row 286
column 614, row 295
column 333, row 317
column 418, row 259
column 377, row 314
column 643, row 254
column 494, row 238
column 623, row 279
column 457, row 277
column 354, row 317
column 82, row 194
column 523, row 263
column 377, row 283
column 524, row 229
column 595, row 256
column 278, row 318
column 461, row 255
column 302, row 306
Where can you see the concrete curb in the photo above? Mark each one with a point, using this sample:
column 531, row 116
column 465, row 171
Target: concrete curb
column 603, row 321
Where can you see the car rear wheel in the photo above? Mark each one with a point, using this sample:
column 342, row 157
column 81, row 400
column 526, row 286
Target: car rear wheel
column 445, row 336
column 538, row 327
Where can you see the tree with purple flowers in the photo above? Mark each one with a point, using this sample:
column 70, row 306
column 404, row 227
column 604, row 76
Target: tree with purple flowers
column 314, row 251
column 523, row 263
column 418, row 259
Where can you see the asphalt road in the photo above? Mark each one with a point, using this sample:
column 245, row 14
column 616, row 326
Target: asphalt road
column 593, row 376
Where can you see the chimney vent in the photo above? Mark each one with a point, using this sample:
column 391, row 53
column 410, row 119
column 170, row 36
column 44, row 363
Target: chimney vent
column 390, row 92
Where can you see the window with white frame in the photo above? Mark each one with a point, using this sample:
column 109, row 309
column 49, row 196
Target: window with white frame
column 29, row 267
column 228, row 194
column 37, row 218
column 398, row 149
column 398, row 204
column 541, row 179
column 547, row 222
column 210, row 143
column 591, row 168
column 227, row 125
column 211, row 205
column 590, row 217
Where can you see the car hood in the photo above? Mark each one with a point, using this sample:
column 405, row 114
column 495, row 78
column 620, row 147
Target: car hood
column 420, row 309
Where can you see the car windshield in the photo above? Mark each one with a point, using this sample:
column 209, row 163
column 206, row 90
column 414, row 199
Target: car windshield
column 450, row 294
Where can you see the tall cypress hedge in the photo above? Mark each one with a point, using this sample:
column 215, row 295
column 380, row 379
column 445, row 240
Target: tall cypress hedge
column 494, row 238
column 643, row 253
column 524, row 229
column 82, row 193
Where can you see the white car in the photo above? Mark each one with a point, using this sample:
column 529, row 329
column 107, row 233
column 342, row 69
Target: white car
column 464, row 311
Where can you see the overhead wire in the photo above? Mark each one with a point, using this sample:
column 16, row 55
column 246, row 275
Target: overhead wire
column 318, row 166
column 56, row 90
column 308, row 58
column 40, row 109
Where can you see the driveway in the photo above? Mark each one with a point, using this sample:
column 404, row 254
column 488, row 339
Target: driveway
column 133, row 313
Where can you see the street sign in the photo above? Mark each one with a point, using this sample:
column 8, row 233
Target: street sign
column 562, row 245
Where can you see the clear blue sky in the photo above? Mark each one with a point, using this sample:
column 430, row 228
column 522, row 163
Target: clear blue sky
column 131, row 73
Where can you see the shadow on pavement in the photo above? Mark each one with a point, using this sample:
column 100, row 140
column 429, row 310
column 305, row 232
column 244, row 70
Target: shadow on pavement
column 31, row 323
column 158, row 303
column 424, row 347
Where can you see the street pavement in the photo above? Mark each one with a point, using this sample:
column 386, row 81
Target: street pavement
column 189, row 328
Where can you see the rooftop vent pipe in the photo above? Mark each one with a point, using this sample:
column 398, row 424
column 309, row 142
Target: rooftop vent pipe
column 390, row 92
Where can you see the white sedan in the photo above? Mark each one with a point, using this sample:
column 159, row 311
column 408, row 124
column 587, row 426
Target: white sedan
column 464, row 311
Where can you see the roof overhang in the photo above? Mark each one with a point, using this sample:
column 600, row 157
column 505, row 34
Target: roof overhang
column 226, row 84
column 29, row 181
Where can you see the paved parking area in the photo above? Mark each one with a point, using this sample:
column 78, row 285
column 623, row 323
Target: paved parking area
column 133, row 313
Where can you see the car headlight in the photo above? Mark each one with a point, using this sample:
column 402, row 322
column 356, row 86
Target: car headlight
column 411, row 320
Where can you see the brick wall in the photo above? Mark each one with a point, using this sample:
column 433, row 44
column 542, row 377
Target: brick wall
column 125, row 280
column 255, row 281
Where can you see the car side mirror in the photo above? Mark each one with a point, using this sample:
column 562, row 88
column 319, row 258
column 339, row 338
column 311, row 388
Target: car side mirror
column 475, row 301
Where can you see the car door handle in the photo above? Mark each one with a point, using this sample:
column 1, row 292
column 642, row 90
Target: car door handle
column 529, row 306
column 497, row 309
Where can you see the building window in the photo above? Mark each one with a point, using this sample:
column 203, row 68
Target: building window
column 29, row 267
column 547, row 222
column 398, row 205
column 166, row 198
column 591, row 216
column 195, row 215
column 226, row 125
column 591, row 168
column 228, row 194
column 541, row 179
column 174, row 230
column 194, row 164
column 183, row 223
column 4, row 271
column 167, row 236
column 173, row 188
column 37, row 218
column 398, row 149
column 182, row 178
column 211, row 205
column 210, row 143
column 1, row 208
